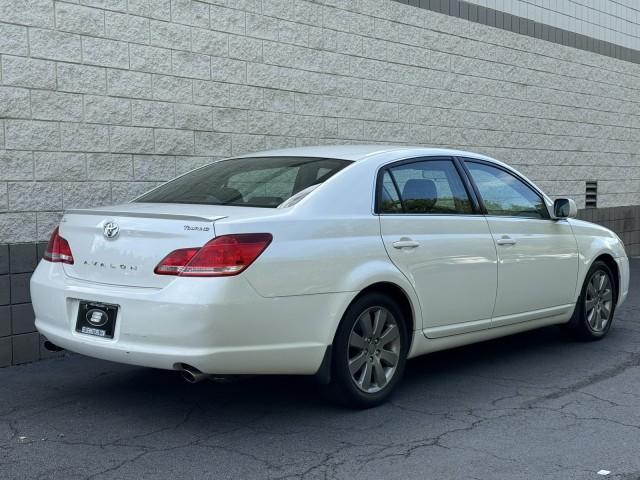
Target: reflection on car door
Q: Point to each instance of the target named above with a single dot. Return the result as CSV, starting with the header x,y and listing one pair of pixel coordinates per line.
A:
x,y
435,236
537,256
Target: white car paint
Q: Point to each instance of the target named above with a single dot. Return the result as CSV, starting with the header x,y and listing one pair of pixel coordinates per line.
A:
x,y
279,316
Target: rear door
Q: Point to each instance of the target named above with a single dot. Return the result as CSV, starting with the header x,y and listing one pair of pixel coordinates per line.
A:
x,y
435,235
537,256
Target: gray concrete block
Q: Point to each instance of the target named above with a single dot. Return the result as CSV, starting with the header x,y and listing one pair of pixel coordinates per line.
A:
x,y
146,113
32,135
155,167
174,89
20,288
79,19
193,65
105,52
4,259
16,165
131,140
6,351
56,106
190,12
14,102
150,59
22,257
86,194
109,110
28,72
5,289
5,320
81,79
60,166
172,35
84,137
26,348
54,45
107,166
173,142
38,13
22,319
129,28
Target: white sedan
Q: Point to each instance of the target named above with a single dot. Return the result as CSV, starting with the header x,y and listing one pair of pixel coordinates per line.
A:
x,y
340,262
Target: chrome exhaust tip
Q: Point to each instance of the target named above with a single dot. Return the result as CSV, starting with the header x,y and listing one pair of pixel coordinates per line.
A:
x,y
192,374
51,347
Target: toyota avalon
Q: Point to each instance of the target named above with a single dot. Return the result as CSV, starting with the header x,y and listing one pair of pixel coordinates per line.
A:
x,y
340,262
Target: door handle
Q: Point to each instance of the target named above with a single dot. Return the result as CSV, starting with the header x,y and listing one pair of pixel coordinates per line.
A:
x,y
506,240
406,243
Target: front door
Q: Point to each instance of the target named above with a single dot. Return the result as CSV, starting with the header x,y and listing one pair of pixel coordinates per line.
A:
x,y
537,256
435,236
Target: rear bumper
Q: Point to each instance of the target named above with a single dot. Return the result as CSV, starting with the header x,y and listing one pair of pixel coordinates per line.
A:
x,y
218,325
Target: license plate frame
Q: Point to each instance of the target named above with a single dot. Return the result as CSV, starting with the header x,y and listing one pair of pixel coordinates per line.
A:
x,y
97,319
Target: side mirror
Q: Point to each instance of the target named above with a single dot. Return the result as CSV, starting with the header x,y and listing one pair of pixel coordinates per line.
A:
x,y
564,208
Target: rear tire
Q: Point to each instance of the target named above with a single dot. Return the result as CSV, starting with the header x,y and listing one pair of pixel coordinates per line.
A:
x,y
369,352
593,315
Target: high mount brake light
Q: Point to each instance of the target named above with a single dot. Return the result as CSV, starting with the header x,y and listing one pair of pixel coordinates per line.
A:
x,y
58,249
223,256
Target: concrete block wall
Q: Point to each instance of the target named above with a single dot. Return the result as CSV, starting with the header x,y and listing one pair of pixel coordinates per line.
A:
x,y
19,341
102,99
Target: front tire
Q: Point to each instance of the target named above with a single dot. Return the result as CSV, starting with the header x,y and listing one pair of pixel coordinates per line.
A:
x,y
369,352
594,311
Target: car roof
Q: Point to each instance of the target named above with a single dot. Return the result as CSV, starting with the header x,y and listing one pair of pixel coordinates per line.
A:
x,y
360,152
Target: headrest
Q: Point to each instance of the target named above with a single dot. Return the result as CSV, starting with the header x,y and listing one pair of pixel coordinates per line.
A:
x,y
419,194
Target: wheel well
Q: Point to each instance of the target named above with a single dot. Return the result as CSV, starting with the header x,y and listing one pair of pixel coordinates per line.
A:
x,y
611,263
400,297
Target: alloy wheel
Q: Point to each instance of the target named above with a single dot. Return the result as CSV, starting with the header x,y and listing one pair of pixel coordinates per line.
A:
x,y
598,301
374,349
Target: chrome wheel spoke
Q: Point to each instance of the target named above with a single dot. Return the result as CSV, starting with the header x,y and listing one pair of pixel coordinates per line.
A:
x,y
356,363
607,295
379,320
602,280
380,376
605,311
365,325
589,304
365,377
389,357
356,341
392,333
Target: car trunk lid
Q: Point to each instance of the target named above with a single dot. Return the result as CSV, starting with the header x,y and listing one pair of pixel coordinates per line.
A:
x,y
121,245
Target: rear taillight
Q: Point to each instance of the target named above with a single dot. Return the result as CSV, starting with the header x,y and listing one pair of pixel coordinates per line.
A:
x,y
58,249
223,256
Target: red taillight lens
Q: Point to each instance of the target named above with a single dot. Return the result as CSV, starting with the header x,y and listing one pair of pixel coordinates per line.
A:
x,y
223,256
58,249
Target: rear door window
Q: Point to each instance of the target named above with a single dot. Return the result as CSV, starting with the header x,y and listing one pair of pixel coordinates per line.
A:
x,y
424,187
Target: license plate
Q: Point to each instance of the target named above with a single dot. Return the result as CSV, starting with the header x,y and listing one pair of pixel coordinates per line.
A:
x,y
97,319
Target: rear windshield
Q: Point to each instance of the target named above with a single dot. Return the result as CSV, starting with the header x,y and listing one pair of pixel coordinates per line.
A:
x,y
247,182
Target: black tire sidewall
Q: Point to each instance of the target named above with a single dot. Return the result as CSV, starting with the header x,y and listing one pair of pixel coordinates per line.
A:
x,y
346,390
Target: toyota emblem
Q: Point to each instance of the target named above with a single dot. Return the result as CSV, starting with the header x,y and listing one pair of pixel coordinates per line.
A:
x,y
111,230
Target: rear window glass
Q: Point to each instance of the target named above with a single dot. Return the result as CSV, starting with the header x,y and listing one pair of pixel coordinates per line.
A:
x,y
247,182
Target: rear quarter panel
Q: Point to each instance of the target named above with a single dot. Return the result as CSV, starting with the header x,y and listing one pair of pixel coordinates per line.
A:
x,y
328,243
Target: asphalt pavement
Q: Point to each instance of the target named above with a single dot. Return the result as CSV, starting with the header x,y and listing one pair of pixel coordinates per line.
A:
x,y
531,406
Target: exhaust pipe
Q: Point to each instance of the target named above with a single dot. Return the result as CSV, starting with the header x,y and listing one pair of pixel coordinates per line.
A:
x,y
51,347
192,374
